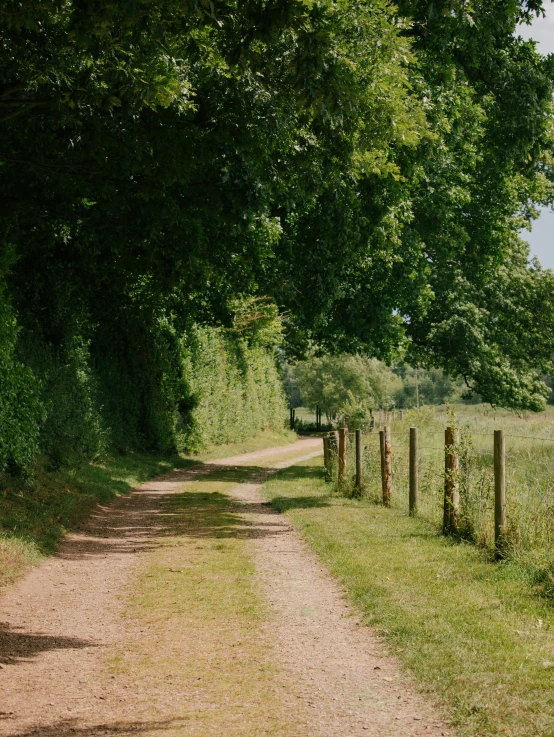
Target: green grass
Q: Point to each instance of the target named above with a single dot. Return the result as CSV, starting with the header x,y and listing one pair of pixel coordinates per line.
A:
x,y
529,478
34,519
477,637
200,580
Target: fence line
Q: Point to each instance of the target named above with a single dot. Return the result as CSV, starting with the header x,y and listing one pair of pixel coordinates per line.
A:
x,y
486,485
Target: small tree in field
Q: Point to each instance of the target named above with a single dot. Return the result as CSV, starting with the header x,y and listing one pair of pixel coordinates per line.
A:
x,y
337,382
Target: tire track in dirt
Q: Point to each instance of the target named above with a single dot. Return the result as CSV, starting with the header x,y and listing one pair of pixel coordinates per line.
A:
x,y
60,624
341,671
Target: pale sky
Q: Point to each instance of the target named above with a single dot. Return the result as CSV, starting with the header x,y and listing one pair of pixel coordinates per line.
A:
x,y
541,237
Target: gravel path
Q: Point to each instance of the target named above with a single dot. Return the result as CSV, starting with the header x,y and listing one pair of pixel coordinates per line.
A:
x,y
59,624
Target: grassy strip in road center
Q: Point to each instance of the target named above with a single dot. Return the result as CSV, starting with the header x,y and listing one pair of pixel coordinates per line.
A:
x,y
201,664
478,639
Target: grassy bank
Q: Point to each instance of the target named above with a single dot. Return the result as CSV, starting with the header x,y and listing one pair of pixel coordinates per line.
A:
x,y
474,634
33,519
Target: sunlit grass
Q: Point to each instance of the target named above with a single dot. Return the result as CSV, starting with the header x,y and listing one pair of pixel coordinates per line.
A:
x,y
529,478
478,638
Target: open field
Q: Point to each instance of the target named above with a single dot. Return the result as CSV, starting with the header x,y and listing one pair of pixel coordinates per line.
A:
x,y
475,635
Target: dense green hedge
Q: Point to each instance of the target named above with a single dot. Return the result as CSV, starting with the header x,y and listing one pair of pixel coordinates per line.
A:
x,y
142,387
235,390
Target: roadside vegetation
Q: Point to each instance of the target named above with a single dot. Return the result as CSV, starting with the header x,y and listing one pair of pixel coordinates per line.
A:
x,y
529,538
477,636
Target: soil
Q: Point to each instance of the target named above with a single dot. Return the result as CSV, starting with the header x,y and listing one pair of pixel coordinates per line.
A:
x,y
61,624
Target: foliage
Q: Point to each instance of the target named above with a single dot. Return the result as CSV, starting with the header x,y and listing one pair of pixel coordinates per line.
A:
x,y
355,415
333,382
234,390
362,170
21,410
433,387
351,386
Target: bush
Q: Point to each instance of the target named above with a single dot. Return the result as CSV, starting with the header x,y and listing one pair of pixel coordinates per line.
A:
x,y
21,410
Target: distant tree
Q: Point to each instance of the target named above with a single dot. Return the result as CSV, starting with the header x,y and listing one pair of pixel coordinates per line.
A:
x,y
332,382
433,386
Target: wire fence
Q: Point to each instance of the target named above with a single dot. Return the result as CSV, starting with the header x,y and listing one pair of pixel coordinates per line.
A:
x,y
527,468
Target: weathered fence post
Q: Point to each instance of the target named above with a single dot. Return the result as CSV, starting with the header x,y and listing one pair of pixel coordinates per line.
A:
x,y
342,455
414,460
386,465
358,459
451,517
499,492
382,454
291,419
332,450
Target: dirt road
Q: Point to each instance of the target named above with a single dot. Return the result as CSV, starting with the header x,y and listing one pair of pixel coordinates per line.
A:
x,y
192,608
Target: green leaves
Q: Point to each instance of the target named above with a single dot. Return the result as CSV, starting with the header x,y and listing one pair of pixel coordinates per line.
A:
x,y
360,169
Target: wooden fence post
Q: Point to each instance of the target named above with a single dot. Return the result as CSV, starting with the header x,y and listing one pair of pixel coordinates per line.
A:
x,y
414,460
382,454
358,459
451,486
499,491
342,455
386,465
291,421
326,456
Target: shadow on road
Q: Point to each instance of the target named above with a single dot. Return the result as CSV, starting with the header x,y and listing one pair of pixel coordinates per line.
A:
x,y
70,727
163,508
17,647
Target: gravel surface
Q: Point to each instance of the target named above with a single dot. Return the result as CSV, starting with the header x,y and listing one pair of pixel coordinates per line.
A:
x,y
60,624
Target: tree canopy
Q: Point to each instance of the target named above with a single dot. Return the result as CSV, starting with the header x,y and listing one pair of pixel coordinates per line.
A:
x,y
364,167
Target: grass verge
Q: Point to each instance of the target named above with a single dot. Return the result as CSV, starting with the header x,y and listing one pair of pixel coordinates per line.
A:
x,y
474,634
34,519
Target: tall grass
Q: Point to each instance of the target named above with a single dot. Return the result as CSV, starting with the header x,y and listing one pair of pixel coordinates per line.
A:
x,y
529,478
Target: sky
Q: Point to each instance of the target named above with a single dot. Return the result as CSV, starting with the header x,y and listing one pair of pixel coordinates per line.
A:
x,y
541,238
